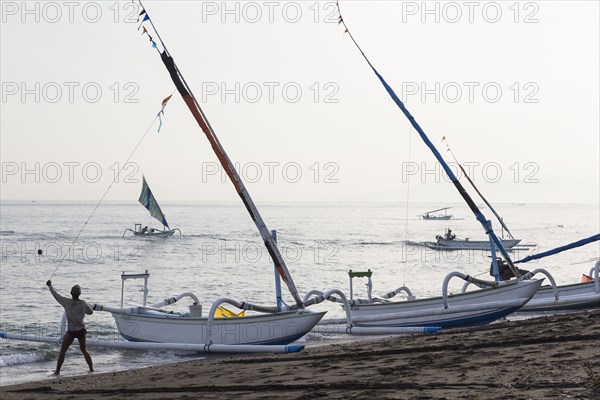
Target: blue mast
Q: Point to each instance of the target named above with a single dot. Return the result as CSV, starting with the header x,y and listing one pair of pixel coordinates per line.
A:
x,y
487,225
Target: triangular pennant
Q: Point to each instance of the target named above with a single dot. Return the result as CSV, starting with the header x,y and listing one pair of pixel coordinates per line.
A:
x,y
145,31
146,18
141,13
165,101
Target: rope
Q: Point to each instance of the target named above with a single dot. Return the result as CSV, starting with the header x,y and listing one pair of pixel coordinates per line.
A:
x,y
407,204
103,196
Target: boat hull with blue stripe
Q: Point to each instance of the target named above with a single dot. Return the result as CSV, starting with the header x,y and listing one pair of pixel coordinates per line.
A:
x,y
472,308
263,329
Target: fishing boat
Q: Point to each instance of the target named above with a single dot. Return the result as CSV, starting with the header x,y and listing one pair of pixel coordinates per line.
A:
x,y
576,296
449,241
268,325
471,308
156,323
429,216
149,202
497,300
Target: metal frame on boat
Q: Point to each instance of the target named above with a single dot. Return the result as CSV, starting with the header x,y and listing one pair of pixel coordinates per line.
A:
x,y
576,296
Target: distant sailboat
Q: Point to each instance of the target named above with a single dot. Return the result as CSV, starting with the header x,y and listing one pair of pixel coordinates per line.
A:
x,y
149,202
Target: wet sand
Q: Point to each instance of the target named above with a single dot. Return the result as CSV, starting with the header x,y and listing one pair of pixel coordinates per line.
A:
x,y
543,358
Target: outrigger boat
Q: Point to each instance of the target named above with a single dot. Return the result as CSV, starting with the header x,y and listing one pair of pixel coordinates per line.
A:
x,y
576,296
154,323
269,329
273,325
476,307
449,241
149,202
499,299
429,216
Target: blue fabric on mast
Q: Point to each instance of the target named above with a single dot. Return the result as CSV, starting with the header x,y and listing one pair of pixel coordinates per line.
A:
x,y
560,249
487,225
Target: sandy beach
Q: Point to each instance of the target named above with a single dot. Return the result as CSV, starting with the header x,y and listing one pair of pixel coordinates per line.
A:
x,y
543,358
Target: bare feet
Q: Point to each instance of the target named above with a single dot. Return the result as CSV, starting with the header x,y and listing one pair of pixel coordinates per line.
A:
x,y
56,373
91,371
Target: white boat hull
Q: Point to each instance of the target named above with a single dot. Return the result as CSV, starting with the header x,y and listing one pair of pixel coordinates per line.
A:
x,y
263,329
477,307
438,218
570,297
155,234
454,244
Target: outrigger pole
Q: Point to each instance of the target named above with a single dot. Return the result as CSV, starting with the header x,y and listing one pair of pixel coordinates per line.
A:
x,y
487,225
190,100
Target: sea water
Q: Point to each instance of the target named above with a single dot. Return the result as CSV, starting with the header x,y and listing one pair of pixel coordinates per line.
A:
x,y
220,253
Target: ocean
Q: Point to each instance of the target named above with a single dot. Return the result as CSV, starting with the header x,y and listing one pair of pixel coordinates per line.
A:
x,y
220,253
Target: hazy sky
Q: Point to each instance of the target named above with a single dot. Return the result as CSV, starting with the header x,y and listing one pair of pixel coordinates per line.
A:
x,y
513,86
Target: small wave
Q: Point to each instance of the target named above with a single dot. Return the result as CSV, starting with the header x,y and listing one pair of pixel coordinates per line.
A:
x,y
377,243
21,358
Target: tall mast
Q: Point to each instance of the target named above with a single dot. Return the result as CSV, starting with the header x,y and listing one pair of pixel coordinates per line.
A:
x,y
487,225
190,100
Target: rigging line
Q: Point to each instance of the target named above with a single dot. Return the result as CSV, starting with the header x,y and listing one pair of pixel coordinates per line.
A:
x,y
477,190
485,223
103,196
407,204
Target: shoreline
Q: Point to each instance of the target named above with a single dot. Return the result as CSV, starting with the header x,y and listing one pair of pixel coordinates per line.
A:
x,y
544,357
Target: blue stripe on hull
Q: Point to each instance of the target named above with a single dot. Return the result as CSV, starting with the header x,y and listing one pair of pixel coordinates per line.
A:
x,y
473,320
281,341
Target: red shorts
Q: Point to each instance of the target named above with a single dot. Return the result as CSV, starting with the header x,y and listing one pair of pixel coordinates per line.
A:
x,y
78,334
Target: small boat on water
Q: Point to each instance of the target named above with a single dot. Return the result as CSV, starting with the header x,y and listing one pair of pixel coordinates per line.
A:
x,y
149,202
449,241
429,215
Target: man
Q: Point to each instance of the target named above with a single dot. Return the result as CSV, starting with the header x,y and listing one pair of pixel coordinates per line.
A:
x,y
76,310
